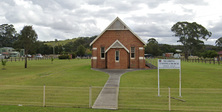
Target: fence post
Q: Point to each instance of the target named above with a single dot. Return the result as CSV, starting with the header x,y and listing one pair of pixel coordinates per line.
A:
x,y
90,96
169,99
44,95
117,97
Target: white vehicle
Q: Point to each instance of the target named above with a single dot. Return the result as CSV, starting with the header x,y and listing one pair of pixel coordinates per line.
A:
x,y
2,57
176,55
39,56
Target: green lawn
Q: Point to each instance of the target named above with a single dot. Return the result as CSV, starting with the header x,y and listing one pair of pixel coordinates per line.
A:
x,y
201,88
74,73
60,109
194,75
67,84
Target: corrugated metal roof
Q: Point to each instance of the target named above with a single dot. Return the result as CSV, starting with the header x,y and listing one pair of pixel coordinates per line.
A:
x,y
220,52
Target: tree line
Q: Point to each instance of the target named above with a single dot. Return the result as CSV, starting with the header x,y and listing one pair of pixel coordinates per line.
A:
x,y
9,37
191,36
27,39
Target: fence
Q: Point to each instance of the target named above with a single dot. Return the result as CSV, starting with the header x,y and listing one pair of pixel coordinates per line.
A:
x,y
44,96
153,62
210,61
196,99
29,59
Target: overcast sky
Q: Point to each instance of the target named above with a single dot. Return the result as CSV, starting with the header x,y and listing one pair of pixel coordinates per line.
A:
x,y
67,19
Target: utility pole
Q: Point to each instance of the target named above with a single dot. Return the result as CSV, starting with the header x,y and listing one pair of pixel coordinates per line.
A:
x,y
54,49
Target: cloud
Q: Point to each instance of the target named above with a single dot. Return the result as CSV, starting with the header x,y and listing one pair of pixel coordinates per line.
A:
x,y
216,30
190,2
72,18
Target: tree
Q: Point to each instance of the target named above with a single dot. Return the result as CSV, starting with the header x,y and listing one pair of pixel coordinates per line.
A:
x,y
88,52
77,43
209,54
219,42
152,40
27,38
189,35
73,55
81,50
165,48
4,64
8,35
152,47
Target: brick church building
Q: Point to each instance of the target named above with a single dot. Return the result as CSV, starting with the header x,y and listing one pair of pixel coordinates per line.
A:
x,y
117,47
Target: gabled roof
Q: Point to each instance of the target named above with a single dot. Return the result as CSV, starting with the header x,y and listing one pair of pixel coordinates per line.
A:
x,y
117,24
117,44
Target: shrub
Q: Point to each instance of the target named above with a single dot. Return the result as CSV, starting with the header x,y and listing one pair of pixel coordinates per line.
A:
x,y
4,64
73,55
52,59
63,57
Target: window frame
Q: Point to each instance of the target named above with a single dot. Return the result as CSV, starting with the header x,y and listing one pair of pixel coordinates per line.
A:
x,y
116,55
132,53
102,52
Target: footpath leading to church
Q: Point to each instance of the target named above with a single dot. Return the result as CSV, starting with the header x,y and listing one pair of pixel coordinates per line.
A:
x,y
108,97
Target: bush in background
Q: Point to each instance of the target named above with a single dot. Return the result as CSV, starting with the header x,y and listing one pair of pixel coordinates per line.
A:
x,y
64,56
73,55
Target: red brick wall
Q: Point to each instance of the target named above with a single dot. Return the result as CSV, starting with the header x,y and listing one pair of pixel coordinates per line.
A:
x,y
123,61
127,39
94,61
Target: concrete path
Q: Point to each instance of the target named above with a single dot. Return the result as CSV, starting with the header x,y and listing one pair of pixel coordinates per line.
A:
x,y
108,97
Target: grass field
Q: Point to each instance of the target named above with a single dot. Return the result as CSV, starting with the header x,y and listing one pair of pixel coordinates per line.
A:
x,y
66,83
201,86
74,73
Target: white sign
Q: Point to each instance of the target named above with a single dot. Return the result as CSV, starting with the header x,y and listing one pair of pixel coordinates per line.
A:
x,y
168,64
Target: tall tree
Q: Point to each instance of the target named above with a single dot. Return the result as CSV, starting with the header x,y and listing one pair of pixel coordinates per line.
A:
x,y
152,40
81,50
219,42
77,43
165,48
8,35
27,38
152,47
189,35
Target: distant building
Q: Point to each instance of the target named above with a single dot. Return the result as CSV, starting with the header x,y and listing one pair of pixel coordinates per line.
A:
x,y
219,55
118,47
9,52
168,54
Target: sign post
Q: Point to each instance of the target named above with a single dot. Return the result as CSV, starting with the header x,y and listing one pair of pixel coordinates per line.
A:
x,y
169,64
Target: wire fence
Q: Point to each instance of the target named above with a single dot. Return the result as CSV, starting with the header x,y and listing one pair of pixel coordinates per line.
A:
x,y
193,99
45,96
200,60
12,59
